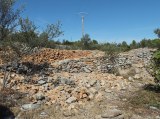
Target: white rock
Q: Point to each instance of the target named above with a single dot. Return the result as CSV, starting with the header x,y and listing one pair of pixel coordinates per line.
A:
x,y
71,100
43,114
158,117
137,76
30,106
41,82
130,79
13,75
40,96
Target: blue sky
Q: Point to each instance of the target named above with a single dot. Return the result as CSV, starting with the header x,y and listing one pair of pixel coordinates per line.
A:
x,y
107,20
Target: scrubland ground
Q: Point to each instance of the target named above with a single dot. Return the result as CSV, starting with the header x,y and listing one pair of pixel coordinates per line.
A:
x,y
73,87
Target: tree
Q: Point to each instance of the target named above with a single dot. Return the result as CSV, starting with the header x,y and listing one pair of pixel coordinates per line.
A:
x,y
143,43
43,39
27,25
8,18
53,30
124,43
86,40
28,31
14,50
94,42
124,46
156,43
157,32
149,43
47,37
133,45
67,42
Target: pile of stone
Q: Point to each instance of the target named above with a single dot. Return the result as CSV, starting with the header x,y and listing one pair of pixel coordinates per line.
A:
x,y
85,65
50,55
73,81
88,65
70,81
66,89
73,66
103,64
141,55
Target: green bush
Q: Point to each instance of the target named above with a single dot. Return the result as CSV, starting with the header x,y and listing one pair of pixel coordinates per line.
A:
x,y
156,67
111,49
111,53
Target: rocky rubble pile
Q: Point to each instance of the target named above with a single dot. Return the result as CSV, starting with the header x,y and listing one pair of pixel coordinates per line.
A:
x,y
65,80
140,60
80,61
71,79
66,89
102,64
141,55
50,55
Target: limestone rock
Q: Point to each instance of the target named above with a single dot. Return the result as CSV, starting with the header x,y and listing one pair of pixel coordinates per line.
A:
x,y
40,96
43,114
111,113
30,106
41,82
71,100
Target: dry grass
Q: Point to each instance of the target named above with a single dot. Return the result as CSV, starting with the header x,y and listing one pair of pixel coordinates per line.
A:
x,y
144,98
139,103
51,112
126,73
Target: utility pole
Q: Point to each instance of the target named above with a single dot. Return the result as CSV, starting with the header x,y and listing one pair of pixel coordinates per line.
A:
x,y
82,26
82,16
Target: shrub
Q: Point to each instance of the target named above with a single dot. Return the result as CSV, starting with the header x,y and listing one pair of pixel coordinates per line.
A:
x,y
11,53
112,53
156,67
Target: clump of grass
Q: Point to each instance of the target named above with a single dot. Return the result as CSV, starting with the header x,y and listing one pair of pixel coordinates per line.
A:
x,y
126,73
143,99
